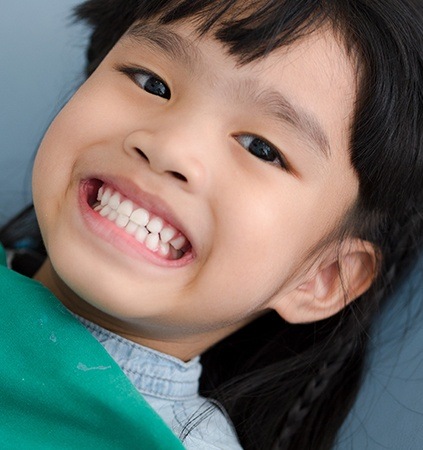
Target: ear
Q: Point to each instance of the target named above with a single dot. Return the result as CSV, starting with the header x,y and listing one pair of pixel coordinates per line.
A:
x,y
330,285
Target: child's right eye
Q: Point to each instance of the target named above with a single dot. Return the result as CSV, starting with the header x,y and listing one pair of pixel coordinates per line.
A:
x,y
148,81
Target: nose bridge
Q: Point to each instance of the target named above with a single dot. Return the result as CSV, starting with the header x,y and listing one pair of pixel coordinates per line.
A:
x,y
176,143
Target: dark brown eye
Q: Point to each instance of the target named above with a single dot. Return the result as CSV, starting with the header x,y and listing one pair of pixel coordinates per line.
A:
x,y
152,84
261,149
146,80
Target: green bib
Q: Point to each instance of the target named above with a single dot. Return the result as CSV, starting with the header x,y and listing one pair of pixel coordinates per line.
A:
x,y
59,388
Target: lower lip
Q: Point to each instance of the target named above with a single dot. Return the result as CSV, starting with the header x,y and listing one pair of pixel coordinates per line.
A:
x,y
119,239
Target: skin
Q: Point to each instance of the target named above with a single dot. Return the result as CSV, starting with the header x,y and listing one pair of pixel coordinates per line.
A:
x,y
251,223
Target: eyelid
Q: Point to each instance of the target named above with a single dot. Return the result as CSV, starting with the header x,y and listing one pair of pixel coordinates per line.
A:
x,y
132,70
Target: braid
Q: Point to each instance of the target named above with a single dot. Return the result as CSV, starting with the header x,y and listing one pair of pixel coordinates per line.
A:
x,y
312,391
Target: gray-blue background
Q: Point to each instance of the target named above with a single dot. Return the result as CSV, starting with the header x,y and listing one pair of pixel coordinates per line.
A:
x,y
41,60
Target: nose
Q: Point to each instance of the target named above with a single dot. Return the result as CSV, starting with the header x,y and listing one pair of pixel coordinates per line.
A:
x,y
173,152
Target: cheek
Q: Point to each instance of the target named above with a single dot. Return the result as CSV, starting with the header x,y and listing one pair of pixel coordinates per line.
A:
x,y
264,238
259,242
52,169
85,121
91,115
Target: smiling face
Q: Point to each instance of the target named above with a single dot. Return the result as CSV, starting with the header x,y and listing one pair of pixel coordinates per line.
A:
x,y
180,193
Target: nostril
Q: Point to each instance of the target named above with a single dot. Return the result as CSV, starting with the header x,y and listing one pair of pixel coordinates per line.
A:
x,y
173,173
142,154
178,176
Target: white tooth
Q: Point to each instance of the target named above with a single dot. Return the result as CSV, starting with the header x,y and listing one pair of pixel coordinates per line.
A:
x,y
100,193
126,208
155,225
141,234
178,243
122,221
167,234
113,215
164,249
131,228
105,211
106,196
140,217
115,200
98,208
152,242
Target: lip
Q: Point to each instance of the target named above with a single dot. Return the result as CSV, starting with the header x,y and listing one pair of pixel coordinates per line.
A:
x,y
112,234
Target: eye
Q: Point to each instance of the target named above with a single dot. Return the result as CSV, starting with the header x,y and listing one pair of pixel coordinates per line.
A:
x,y
148,81
262,149
152,84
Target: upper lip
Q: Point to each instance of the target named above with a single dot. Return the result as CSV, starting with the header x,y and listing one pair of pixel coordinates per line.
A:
x,y
151,202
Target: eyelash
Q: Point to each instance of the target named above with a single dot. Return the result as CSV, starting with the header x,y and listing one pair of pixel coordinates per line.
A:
x,y
268,152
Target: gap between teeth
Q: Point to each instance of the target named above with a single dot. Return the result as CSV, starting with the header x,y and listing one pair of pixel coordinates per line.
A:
x,y
138,222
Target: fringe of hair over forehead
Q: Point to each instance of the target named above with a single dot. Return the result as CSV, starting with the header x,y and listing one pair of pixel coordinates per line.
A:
x,y
250,29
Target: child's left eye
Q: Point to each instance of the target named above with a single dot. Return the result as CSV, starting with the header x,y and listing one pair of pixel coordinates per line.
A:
x,y
148,81
262,149
153,85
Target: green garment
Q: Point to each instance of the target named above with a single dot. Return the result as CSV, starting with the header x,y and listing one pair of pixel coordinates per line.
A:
x,y
59,388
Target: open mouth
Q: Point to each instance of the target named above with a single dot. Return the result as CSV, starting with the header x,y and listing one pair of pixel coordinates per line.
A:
x,y
145,227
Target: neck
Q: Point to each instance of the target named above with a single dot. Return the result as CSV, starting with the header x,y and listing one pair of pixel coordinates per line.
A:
x,y
183,347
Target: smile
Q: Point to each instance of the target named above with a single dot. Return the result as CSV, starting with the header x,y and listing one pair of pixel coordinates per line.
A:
x,y
146,228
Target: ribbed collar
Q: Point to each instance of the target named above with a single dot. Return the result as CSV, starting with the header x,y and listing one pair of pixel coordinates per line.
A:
x,y
152,373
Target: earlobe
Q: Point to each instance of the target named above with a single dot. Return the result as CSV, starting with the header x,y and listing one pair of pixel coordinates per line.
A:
x,y
332,285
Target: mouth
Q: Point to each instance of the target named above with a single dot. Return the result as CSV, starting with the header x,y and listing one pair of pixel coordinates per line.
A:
x,y
146,228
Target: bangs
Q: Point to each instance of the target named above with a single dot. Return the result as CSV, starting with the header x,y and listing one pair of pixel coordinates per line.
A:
x,y
249,30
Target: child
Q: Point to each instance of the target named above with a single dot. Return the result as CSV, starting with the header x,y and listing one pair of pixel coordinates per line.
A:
x,y
241,181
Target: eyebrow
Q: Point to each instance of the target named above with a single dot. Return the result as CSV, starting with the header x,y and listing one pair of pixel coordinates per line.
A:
x,y
172,44
272,102
275,104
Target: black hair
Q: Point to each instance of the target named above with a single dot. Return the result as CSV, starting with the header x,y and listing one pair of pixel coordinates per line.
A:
x,y
291,386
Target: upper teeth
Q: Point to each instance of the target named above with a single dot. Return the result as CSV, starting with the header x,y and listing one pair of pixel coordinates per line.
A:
x,y
151,230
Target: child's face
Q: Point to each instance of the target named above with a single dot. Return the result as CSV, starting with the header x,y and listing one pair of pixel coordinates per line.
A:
x,y
197,162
